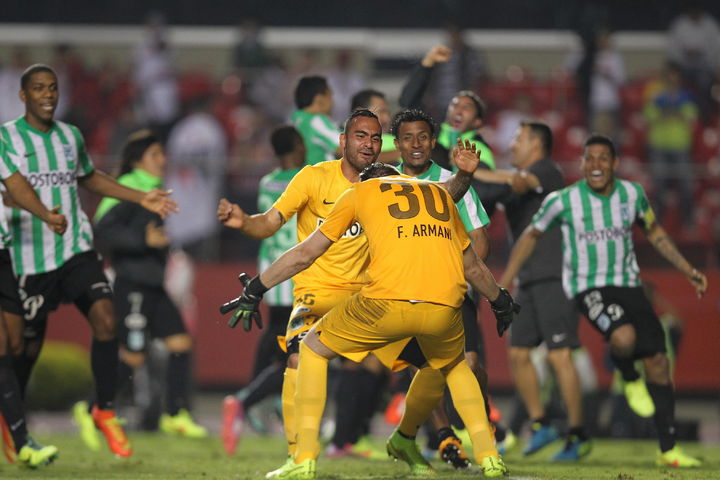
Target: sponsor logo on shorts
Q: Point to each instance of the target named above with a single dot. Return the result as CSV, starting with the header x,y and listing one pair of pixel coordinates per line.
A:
x,y
558,337
31,306
135,321
603,322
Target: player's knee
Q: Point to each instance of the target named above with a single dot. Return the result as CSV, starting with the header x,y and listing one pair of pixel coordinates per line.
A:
x,y
292,361
134,359
473,361
15,346
180,343
560,357
519,356
622,341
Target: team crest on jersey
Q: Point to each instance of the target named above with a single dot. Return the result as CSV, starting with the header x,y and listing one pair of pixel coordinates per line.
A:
x,y
625,212
69,156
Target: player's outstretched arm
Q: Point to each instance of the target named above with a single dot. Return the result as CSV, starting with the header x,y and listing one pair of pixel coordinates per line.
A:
x,y
466,159
295,260
157,201
25,197
666,247
520,182
260,225
520,253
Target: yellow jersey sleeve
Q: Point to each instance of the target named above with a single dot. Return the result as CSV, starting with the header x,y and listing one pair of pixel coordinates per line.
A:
x,y
341,217
296,194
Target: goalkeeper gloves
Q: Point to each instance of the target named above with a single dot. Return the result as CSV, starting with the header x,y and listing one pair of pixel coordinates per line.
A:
x,y
504,308
246,305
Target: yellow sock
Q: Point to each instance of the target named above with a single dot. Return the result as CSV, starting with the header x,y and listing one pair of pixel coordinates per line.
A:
x,y
288,408
424,393
469,403
310,402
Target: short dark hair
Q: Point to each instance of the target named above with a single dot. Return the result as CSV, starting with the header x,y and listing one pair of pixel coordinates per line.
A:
x,y
480,107
362,98
360,112
134,149
542,131
307,88
32,70
411,115
378,169
600,139
283,139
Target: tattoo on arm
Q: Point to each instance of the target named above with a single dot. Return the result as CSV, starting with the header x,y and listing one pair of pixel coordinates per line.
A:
x,y
458,185
282,219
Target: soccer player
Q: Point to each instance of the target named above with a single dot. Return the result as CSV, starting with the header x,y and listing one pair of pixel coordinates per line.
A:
x,y
414,133
313,99
403,218
465,113
311,195
547,315
17,443
137,244
376,102
51,268
267,376
600,272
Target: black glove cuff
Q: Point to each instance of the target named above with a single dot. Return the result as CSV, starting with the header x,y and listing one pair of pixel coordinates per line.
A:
x,y
255,287
503,301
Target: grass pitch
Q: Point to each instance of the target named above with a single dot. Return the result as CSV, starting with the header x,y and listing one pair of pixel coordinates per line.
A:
x,y
159,457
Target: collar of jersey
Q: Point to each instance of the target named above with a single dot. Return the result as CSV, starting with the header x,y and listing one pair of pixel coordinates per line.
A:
x,y
586,187
423,175
24,124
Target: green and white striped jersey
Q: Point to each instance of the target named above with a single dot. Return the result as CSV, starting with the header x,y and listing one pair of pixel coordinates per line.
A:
x,y
271,187
472,212
598,248
52,162
320,134
8,167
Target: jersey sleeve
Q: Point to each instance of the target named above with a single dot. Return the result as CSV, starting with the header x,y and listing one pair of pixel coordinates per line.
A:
x,y
341,216
472,213
549,213
8,161
326,134
295,195
85,166
644,214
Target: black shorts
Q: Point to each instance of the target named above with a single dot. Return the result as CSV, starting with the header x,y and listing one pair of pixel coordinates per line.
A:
x,y
80,280
9,297
474,341
144,313
608,308
546,316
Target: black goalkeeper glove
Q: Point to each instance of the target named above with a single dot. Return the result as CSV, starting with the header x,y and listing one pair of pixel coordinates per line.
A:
x,y
246,305
504,308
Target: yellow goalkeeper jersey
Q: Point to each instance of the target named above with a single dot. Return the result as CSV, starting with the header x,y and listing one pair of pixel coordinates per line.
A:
x,y
312,194
415,235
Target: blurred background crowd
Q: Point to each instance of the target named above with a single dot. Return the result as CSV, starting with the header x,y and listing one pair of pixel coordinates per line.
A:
x,y
214,93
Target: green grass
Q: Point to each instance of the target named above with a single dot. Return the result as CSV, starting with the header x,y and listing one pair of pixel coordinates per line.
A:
x,y
160,457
